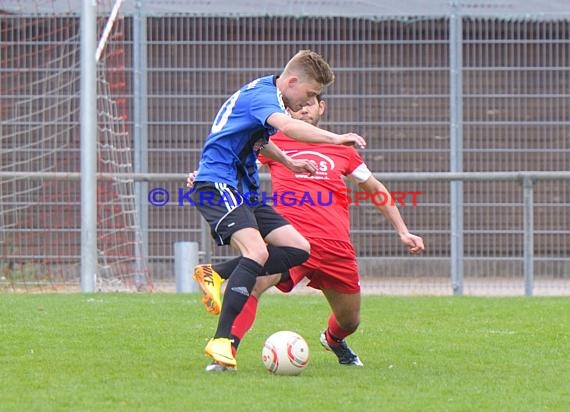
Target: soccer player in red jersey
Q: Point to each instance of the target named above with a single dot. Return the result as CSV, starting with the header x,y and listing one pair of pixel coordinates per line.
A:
x,y
317,207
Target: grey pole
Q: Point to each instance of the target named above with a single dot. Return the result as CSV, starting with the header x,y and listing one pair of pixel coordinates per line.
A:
x,y
88,116
528,225
140,117
185,258
456,147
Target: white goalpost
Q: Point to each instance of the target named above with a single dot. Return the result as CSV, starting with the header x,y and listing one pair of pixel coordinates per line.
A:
x,y
108,28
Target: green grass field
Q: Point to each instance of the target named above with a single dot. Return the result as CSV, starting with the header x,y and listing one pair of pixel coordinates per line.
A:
x,y
144,352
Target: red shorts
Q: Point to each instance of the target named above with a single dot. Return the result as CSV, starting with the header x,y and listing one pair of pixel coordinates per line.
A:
x,y
332,265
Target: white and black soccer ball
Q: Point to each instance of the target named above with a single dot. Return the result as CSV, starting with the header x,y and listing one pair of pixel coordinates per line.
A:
x,y
285,353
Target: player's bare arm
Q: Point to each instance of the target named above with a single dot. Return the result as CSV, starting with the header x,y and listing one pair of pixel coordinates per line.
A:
x,y
390,211
305,132
295,165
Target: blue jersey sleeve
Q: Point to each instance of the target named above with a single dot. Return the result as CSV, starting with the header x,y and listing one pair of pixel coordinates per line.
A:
x,y
264,103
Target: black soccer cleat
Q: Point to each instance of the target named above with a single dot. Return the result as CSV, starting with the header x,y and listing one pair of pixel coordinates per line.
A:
x,y
344,354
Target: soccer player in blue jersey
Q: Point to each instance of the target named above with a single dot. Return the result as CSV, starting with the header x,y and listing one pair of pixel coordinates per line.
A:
x,y
227,182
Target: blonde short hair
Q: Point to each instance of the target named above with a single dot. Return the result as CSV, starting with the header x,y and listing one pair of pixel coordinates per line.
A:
x,y
311,65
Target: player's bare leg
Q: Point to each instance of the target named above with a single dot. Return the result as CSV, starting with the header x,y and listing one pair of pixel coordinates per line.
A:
x,y
346,308
288,236
343,322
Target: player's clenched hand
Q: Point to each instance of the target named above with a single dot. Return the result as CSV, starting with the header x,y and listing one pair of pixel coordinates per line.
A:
x,y
352,139
190,179
414,243
302,166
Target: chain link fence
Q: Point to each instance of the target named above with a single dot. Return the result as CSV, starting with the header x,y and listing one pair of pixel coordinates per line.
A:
x,y
461,88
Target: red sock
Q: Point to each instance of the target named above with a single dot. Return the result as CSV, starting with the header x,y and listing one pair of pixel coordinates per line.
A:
x,y
244,321
334,332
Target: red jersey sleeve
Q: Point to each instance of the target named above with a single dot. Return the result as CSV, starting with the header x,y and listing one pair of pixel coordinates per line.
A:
x,y
356,168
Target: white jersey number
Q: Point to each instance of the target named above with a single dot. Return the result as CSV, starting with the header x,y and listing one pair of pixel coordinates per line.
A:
x,y
224,113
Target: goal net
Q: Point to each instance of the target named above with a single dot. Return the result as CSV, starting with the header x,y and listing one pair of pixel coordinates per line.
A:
x,y
40,212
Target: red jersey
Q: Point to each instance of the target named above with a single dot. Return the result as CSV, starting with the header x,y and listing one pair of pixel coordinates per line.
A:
x,y
315,205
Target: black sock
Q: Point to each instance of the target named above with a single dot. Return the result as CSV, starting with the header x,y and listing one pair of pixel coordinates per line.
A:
x,y
226,268
240,284
281,258
285,276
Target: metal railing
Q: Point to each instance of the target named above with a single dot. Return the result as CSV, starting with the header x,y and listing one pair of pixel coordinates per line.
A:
x,y
526,179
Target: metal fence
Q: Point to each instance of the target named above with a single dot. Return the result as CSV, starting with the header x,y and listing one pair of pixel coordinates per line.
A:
x,y
462,92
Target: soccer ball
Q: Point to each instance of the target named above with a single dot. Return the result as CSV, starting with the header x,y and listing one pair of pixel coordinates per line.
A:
x,y
285,353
